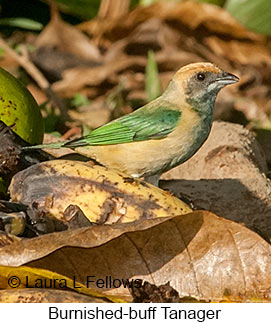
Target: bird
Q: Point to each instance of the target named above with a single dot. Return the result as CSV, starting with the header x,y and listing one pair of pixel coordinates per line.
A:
x,y
163,133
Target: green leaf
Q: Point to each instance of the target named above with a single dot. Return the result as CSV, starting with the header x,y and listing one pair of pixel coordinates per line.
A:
x,y
146,2
215,2
153,88
80,100
253,14
24,23
85,9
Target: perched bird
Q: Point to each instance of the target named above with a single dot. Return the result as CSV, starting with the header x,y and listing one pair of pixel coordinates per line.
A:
x,y
163,133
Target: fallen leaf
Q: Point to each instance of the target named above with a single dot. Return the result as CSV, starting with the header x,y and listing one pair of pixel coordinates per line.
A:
x,y
200,254
76,78
240,52
7,239
213,17
104,196
24,276
43,295
67,38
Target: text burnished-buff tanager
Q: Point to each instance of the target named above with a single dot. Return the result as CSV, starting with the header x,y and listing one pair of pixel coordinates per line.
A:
x,y
163,133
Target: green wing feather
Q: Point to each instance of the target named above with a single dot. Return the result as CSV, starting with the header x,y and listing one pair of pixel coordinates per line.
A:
x,y
153,121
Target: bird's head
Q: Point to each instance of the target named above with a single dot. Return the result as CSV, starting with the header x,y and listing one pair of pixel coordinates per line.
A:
x,y
199,84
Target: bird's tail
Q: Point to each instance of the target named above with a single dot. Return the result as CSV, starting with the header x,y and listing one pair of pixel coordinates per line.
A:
x,y
53,145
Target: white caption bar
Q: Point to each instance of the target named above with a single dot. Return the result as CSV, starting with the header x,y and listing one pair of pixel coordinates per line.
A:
x,y
249,312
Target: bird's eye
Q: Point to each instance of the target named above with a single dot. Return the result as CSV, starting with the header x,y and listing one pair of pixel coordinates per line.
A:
x,y
200,77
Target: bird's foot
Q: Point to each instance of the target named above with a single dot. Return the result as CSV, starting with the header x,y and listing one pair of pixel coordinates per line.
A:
x,y
153,179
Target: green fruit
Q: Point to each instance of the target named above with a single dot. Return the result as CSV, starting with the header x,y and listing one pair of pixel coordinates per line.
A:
x,y
19,109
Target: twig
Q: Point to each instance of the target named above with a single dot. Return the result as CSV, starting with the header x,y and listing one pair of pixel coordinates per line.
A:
x,y
24,61
113,9
71,132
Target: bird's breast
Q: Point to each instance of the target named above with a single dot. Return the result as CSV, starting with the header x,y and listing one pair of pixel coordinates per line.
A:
x,y
188,137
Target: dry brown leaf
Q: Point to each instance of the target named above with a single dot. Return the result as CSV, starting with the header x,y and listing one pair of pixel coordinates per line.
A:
x,y
240,52
67,38
91,116
178,36
153,34
38,295
200,254
212,17
7,239
76,78
27,277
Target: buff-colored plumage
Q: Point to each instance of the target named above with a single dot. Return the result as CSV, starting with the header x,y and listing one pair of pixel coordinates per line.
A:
x,y
163,133
144,158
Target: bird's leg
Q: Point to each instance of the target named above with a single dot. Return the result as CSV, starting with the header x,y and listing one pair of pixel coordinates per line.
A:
x,y
153,179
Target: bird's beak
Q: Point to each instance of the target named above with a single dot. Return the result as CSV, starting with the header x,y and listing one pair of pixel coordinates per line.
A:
x,y
226,79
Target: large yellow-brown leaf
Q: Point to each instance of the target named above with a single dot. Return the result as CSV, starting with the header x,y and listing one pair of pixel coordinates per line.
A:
x,y
25,277
38,295
200,254
103,195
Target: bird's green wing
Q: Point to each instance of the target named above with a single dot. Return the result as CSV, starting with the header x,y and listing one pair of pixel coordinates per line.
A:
x,y
149,122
